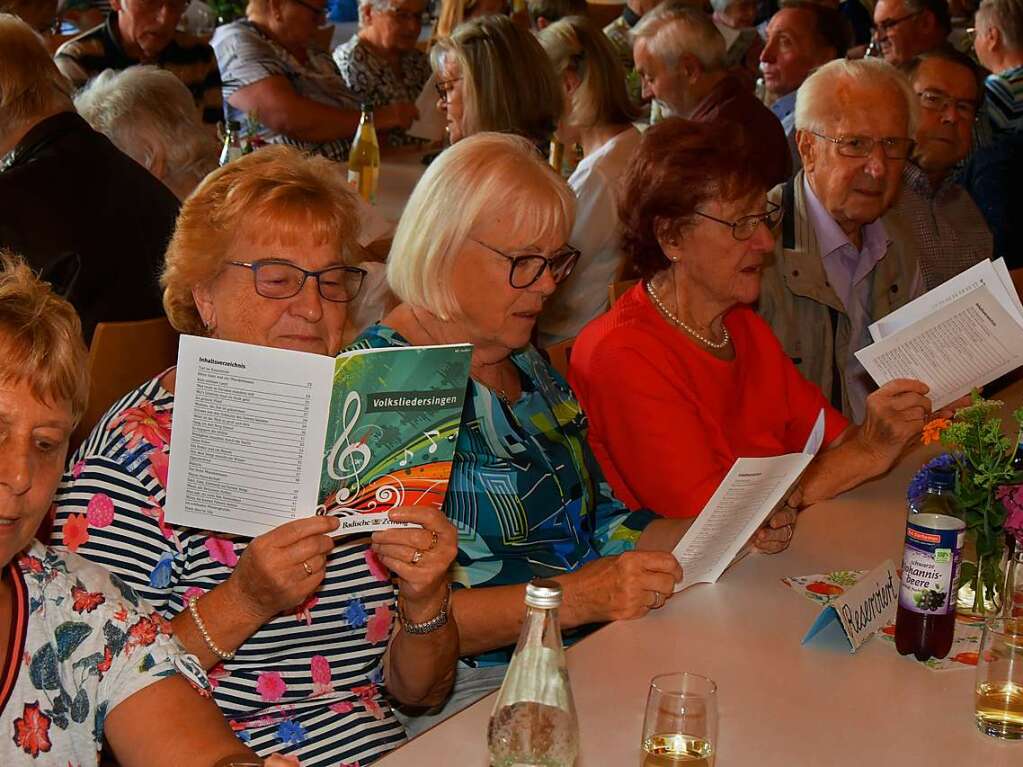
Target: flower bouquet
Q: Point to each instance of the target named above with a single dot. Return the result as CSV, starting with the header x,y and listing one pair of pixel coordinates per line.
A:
x,y
985,488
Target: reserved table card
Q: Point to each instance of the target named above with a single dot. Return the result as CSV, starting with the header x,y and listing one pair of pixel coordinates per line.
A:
x,y
853,616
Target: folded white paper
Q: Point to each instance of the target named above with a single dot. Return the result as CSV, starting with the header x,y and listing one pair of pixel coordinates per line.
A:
x,y
431,122
954,347
747,495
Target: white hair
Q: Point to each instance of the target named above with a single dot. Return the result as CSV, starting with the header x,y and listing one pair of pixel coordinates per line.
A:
x,y
462,188
672,31
149,114
815,97
377,5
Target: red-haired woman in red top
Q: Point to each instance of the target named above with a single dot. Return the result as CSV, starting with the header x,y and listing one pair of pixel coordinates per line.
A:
x,y
682,377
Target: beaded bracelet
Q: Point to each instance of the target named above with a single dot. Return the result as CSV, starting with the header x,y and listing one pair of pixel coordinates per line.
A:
x,y
193,608
427,627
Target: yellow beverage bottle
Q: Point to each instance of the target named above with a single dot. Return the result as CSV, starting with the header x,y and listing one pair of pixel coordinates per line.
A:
x,y
364,159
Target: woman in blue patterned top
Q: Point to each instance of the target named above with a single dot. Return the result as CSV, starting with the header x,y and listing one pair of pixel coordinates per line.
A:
x,y
480,246
298,630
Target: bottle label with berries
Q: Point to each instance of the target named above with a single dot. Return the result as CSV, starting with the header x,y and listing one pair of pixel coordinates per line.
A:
x,y
930,563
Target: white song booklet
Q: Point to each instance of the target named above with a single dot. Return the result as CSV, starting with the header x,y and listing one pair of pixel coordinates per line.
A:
x,y
958,337
752,489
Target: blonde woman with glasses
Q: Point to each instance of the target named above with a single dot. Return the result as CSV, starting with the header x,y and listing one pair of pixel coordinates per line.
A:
x,y
492,75
598,117
526,493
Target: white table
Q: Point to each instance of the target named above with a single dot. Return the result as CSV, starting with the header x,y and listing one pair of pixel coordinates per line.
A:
x,y
400,170
781,704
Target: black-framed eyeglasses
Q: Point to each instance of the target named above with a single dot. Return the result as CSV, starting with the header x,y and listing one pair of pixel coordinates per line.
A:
x,y
936,101
527,268
886,26
282,279
894,147
746,227
444,87
320,12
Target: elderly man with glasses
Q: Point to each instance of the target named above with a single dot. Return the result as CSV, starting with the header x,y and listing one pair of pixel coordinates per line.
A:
x,y
903,29
949,230
145,32
842,261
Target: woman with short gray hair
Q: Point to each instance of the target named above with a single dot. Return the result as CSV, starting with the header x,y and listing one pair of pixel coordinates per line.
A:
x,y
380,63
149,114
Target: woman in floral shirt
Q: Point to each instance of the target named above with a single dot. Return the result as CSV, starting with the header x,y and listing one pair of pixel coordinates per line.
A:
x,y
82,659
301,633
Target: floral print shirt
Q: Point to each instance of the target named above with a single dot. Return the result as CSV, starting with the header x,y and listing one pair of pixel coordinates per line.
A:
x,y
373,81
526,494
308,683
81,642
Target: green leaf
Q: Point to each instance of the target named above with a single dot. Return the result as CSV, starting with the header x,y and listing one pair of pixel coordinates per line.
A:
x,y
967,570
69,636
42,670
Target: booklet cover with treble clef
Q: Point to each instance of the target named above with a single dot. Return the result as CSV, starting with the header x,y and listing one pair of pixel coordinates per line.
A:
x,y
391,435
265,436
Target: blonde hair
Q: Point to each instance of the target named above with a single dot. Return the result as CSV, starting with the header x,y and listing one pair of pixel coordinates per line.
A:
x,y
601,98
149,114
508,82
41,338
815,99
465,185
276,194
31,86
452,13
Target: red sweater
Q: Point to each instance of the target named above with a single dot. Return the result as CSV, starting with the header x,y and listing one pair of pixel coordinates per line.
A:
x,y
668,419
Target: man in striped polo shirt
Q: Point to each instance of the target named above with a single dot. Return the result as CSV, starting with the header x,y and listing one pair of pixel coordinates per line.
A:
x,y
999,47
143,32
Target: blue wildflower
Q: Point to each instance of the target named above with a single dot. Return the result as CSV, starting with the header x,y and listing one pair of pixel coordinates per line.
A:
x,y
355,614
291,733
160,578
918,484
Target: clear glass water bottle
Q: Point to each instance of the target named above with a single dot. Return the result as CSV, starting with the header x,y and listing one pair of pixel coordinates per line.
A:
x,y
232,148
939,495
534,722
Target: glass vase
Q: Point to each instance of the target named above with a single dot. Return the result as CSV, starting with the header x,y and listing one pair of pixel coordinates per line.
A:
x,y
1012,594
981,597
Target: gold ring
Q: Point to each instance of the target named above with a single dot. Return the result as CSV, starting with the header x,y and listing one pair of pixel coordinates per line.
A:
x,y
433,540
416,556
305,566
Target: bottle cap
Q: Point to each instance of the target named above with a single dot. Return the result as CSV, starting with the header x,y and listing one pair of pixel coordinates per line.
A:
x,y
367,107
543,593
234,125
942,479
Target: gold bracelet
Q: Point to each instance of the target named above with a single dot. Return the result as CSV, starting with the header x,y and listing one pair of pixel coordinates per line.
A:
x,y
193,608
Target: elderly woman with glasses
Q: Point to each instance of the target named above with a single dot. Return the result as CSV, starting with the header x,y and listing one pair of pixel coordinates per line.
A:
x,y
284,88
526,493
297,629
683,358
380,63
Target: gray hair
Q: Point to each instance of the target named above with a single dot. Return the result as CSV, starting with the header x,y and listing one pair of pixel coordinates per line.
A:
x,y
814,99
376,5
149,114
31,86
478,175
673,30
1007,15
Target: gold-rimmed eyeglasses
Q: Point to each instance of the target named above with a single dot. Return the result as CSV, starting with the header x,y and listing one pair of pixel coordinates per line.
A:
x,y
746,227
894,147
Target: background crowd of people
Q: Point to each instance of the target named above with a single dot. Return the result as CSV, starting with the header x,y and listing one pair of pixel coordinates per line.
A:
x,y
744,188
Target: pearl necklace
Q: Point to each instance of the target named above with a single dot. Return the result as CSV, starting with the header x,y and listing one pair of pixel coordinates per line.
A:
x,y
702,339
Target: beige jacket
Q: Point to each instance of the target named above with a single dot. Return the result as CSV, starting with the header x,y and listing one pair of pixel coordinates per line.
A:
x,y
803,309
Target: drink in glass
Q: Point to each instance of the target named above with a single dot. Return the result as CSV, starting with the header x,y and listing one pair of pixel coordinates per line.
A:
x,y
999,691
681,722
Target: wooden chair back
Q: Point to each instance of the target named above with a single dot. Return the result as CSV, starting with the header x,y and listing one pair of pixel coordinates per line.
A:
x,y
617,289
122,356
559,355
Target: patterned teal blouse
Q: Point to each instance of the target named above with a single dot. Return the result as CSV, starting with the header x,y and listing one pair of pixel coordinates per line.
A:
x,y
526,493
